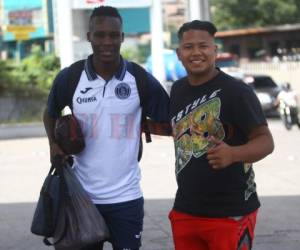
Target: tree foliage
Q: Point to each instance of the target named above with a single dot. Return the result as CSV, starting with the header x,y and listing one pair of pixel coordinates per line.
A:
x,y
33,75
137,53
233,14
6,79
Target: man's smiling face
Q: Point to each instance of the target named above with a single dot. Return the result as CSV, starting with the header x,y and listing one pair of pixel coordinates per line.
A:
x,y
106,36
197,52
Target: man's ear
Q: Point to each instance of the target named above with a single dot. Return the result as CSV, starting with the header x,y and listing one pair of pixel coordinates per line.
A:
x,y
88,36
122,36
216,48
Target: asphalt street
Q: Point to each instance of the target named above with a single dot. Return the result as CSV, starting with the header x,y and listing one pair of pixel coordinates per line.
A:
x,y
24,164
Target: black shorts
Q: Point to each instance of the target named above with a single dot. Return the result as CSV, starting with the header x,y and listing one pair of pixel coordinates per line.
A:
x,y
125,222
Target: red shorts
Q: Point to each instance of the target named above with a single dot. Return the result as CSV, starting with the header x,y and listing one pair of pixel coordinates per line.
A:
x,y
202,233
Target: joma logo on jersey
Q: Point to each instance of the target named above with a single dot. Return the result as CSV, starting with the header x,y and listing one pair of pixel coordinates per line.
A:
x,y
86,90
81,100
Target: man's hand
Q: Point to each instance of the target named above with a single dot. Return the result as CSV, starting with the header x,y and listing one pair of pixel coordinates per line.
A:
x,y
221,155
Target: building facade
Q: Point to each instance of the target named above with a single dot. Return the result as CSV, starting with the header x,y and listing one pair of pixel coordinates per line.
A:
x,y
24,23
269,43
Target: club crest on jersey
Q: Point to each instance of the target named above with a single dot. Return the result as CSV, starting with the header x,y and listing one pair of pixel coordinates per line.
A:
x,y
122,90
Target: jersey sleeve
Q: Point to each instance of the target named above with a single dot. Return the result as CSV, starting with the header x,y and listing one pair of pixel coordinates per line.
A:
x,y
248,112
57,98
157,107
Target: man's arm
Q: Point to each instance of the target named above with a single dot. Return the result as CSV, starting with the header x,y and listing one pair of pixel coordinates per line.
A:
x,y
49,124
56,102
259,145
158,128
157,108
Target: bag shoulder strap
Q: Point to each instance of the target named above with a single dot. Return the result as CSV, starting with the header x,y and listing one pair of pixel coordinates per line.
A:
x,y
74,74
141,77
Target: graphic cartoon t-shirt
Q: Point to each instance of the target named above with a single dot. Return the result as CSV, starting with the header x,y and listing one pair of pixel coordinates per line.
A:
x,y
226,109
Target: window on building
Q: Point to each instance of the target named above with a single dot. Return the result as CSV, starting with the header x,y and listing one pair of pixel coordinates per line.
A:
x,y
274,48
235,49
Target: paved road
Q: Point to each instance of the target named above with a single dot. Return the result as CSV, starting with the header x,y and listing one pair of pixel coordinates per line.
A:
x,y
24,163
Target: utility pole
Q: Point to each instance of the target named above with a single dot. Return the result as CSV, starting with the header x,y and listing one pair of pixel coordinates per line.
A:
x,y
63,27
199,9
157,43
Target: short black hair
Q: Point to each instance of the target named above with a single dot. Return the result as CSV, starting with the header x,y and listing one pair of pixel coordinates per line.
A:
x,y
107,11
197,25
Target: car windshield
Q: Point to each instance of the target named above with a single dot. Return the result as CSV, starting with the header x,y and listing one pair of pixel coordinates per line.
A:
x,y
264,82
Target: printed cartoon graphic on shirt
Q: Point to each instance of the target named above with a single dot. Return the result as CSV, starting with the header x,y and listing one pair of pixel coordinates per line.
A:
x,y
251,186
193,130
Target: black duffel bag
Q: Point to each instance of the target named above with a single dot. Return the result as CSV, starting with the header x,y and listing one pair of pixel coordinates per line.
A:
x,y
45,215
65,212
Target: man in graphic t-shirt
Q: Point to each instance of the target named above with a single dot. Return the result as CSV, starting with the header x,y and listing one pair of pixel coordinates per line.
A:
x,y
219,130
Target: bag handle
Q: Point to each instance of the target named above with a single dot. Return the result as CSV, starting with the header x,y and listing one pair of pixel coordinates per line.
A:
x,y
57,168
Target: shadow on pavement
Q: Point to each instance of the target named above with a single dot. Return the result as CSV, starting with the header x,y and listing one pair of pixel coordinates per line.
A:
x,y
278,226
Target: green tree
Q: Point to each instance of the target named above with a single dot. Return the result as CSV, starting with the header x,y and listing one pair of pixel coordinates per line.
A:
x,y
137,53
5,79
37,71
32,76
233,14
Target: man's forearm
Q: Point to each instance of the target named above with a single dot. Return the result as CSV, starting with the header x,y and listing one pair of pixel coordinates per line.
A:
x,y
55,149
49,124
258,147
157,128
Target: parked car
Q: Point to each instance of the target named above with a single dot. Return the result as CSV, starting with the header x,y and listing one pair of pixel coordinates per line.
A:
x,y
229,64
267,91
